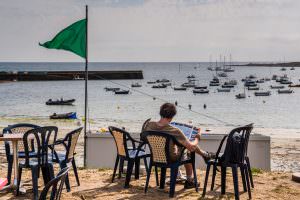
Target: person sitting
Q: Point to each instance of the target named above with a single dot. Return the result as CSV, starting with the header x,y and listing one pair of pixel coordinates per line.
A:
x,y
167,112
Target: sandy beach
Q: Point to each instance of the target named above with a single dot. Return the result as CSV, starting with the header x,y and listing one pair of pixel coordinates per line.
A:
x,y
96,184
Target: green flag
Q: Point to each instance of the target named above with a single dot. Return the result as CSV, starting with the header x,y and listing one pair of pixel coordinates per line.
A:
x,y
72,38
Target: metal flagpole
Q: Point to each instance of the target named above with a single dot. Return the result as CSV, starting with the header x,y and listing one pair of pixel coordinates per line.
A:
x,y
86,85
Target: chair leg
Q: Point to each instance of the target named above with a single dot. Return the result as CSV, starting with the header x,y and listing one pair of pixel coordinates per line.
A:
x,y
63,164
75,171
19,180
9,169
195,176
248,182
115,169
242,169
121,167
223,180
129,172
156,176
146,164
174,172
213,177
137,168
206,179
34,174
148,177
249,171
163,171
235,182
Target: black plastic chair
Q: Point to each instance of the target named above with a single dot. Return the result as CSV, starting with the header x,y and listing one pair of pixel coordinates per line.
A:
x,y
41,137
233,157
132,154
17,129
67,156
159,143
56,185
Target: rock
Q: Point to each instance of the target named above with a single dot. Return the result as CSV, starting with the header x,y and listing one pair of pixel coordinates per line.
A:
x,y
296,177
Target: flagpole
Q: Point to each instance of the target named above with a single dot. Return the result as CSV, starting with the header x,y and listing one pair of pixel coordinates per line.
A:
x,y
86,85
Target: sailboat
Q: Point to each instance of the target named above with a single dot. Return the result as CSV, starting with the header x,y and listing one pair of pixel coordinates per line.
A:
x,y
229,69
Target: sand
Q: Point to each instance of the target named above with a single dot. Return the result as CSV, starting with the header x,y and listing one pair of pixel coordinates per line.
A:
x,y
96,184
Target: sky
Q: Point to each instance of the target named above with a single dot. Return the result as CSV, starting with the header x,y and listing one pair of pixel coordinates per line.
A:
x,y
154,30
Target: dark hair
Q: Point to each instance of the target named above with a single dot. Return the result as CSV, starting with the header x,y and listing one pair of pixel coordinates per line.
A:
x,y
167,110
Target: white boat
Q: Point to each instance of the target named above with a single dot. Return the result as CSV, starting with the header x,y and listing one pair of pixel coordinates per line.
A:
x,y
201,91
136,85
241,96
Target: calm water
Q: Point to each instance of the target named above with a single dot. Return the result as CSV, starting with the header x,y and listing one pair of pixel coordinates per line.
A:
x,y
26,100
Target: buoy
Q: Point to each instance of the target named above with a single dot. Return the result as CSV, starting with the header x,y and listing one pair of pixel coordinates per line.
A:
x,y
204,106
190,106
176,103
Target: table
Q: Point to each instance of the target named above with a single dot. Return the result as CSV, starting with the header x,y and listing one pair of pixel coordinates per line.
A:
x,y
14,138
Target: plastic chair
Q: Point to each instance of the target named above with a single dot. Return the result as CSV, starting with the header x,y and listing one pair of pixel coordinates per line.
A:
x,y
66,157
233,157
17,129
131,154
41,137
56,185
159,143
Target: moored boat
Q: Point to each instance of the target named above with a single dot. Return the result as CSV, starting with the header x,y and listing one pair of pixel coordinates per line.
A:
x,y
223,89
200,87
266,93
71,115
180,88
60,102
277,86
227,86
136,85
201,91
190,84
253,88
296,85
285,91
241,96
122,92
111,89
214,84
159,86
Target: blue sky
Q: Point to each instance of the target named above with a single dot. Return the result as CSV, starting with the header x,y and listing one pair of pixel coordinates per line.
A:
x,y
155,30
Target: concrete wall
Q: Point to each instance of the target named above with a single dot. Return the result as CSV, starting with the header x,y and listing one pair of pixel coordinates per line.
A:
x,y
101,150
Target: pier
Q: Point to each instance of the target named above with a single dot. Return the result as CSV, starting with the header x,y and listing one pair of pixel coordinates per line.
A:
x,y
68,75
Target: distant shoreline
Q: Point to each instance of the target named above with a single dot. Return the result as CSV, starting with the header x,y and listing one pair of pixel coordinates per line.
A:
x,y
288,64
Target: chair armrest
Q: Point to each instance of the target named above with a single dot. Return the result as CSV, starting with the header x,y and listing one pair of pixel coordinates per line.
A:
x,y
220,147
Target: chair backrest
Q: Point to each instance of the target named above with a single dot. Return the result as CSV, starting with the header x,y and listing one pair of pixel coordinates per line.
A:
x,y
56,186
41,137
121,137
159,144
20,129
71,139
143,129
237,144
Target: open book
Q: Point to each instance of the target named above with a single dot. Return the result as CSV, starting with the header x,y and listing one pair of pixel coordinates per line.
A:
x,y
189,131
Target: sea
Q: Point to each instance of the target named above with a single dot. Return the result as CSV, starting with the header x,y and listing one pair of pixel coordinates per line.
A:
x,y
276,115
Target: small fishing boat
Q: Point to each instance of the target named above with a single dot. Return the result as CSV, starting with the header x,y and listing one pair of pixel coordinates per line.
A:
x,y
162,81
277,86
223,89
190,84
286,82
201,91
200,87
253,88
251,76
285,91
241,96
111,89
227,86
151,82
214,84
180,88
60,102
274,77
267,93
122,92
296,85
283,69
136,85
210,69
223,74
231,82
250,84
71,115
229,69
159,86
293,68
260,81
190,76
